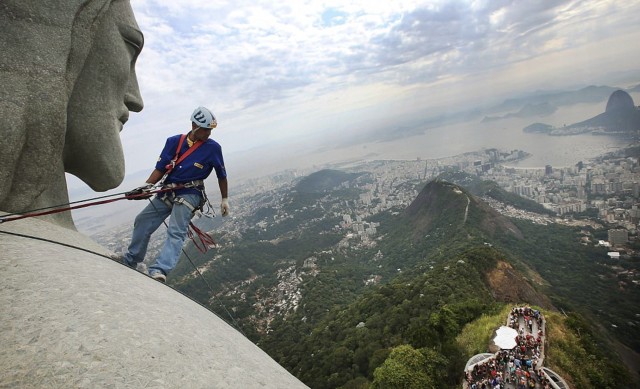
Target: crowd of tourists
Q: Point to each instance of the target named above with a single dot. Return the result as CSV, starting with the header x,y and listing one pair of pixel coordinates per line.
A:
x,y
517,367
528,316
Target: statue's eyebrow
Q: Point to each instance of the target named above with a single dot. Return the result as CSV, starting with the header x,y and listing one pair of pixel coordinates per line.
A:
x,y
132,36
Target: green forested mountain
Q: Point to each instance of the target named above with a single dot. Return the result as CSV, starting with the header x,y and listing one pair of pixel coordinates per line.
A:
x,y
411,304
425,310
448,209
433,313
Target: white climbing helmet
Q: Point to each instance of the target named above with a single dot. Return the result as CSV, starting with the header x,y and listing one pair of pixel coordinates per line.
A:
x,y
204,118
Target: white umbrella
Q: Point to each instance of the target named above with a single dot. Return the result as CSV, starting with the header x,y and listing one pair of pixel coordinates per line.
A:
x,y
505,338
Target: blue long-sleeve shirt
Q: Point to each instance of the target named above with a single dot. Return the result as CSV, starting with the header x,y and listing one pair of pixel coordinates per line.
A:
x,y
196,166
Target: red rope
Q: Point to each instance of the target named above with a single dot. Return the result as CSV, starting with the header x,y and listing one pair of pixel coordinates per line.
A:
x,y
205,239
58,210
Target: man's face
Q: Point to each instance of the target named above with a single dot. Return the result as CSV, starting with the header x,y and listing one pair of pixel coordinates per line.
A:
x,y
202,134
105,91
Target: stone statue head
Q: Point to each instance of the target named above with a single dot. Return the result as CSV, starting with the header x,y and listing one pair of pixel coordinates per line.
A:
x,y
67,84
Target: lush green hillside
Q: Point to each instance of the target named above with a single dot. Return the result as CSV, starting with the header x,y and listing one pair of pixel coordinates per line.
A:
x,y
427,326
443,221
442,286
580,277
402,302
572,338
424,310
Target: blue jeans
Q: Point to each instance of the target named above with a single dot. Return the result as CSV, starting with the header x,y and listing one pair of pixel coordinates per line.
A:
x,y
148,221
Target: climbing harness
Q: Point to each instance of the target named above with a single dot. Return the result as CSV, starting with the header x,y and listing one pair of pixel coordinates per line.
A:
x,y
179,158
206,241
169,197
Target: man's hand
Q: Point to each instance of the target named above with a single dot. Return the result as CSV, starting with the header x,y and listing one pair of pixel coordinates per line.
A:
x,y
140,193
224,207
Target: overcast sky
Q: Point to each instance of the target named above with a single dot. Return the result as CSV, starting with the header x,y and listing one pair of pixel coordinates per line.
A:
x,y
296,70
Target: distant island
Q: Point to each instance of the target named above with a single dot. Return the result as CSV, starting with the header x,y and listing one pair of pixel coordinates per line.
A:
x,y
621,117
529,110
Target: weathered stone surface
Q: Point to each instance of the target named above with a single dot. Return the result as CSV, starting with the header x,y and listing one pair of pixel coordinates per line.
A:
x,y
68,84
73,319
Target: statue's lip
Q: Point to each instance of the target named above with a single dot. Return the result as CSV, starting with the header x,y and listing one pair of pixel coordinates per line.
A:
x,y
124,117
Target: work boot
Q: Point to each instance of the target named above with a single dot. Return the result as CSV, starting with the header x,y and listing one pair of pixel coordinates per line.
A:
x,y
126,263
120,259
158,276
117,257
141,267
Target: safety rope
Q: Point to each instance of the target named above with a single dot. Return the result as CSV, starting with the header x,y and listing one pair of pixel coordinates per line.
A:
x,y
213,295
205,239
54,209
65,204
179,158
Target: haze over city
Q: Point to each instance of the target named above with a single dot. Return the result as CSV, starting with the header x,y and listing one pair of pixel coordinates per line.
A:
x,y
295,77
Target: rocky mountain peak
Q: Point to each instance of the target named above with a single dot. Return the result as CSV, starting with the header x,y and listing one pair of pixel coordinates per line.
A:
x,y
618,101
442,204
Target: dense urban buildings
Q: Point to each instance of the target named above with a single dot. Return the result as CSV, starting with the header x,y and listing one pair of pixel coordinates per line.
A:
x,y
602,193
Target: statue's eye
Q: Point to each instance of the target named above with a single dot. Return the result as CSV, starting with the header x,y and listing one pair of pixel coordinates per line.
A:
x,y
134,46
133,38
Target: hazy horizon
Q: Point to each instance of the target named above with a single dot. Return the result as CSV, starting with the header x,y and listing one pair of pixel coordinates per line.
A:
x,y
503,133
294,77
432,143
303,71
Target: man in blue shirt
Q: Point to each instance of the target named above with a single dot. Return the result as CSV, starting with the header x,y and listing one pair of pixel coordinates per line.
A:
x,y
185,162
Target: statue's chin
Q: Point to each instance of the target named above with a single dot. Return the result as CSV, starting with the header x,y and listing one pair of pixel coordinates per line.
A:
x,y
100,168
100,179
108,181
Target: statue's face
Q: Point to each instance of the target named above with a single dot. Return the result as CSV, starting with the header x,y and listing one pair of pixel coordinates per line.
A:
x,y
104,93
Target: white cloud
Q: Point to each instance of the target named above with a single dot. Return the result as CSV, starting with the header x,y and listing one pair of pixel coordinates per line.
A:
x,y
277,70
